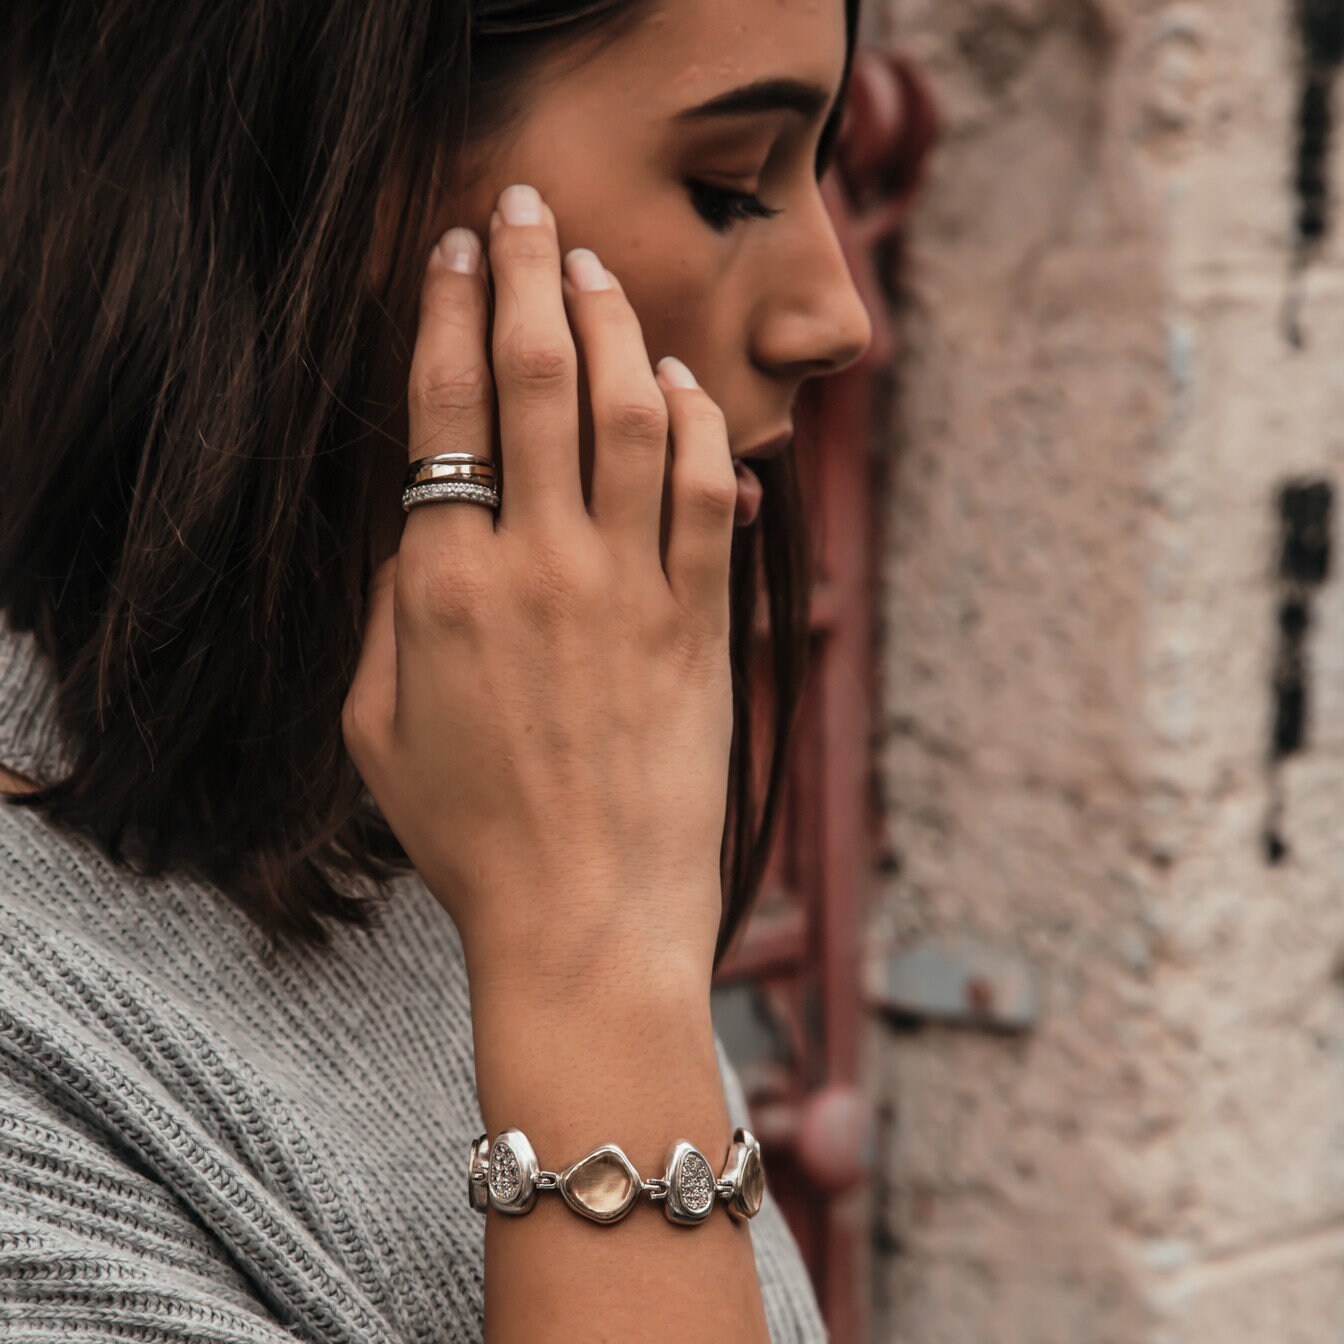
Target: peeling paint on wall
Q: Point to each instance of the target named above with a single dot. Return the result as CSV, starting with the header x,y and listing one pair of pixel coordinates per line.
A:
x,y
1320,26
1305,510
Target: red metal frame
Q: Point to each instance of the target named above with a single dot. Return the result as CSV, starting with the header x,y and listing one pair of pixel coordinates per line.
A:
x,y
799,952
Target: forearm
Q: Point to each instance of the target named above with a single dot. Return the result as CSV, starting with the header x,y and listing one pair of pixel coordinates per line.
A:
x,y
632,1064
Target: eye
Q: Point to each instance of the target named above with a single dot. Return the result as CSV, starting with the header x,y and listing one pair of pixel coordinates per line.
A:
x,y
721,208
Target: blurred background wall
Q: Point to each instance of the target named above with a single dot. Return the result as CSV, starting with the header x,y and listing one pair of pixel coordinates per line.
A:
x,y
1104,948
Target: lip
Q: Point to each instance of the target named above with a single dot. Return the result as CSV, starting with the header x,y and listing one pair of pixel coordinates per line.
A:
x,y
771,447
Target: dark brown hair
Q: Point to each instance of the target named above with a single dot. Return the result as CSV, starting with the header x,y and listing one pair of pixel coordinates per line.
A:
x,y
189,197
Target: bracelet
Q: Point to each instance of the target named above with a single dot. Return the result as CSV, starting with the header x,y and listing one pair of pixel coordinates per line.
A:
x,y
604,1185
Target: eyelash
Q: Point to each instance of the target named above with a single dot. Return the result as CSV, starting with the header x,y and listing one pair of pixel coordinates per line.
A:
x,y
721,209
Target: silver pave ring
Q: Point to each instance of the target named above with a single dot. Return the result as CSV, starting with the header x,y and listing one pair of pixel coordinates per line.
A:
x,y
433,492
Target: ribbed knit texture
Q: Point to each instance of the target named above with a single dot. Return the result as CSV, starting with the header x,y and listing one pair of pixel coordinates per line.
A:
x,y
202,1140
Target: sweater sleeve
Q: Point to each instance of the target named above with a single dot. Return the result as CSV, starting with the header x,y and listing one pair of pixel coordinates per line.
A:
x,y
791,1308
123,1214
92,1248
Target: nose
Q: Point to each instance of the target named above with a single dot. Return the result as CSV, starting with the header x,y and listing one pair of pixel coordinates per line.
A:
x,y
813,321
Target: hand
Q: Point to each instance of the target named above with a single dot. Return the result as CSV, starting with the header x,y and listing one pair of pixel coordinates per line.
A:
x,y
542,707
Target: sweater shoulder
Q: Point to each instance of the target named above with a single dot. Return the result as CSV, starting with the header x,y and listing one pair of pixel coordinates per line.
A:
x,y
132,958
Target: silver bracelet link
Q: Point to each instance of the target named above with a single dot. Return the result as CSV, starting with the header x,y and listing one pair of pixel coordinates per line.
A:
x,y
604,1185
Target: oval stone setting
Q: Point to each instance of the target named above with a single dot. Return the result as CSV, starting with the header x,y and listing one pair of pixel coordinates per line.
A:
x,y
601,1186
753,1183
695,1183
511,1175
690,1185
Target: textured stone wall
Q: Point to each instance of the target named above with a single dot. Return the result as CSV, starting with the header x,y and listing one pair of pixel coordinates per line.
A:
x,y
1081,601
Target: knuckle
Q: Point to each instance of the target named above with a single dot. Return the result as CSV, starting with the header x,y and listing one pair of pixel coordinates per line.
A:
x,y
543,366
714,493
703,412
447,302
454,394
528,247
446,591
634,418
700,647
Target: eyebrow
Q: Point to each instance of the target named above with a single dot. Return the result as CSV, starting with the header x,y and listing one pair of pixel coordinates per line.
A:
x,y
765,95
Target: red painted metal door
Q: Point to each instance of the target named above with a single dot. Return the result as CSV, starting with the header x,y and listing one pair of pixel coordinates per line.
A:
x,y
787,999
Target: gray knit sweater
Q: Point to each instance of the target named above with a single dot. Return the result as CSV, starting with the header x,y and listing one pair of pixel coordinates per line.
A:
x,y
201,1140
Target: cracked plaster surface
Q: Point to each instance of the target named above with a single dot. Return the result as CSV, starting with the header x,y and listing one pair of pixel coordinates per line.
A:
x,y
1096,410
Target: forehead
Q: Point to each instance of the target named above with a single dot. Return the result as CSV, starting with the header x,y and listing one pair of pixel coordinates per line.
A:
x,y
687,51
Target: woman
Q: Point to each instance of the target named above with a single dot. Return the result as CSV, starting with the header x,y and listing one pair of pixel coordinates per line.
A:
x,y
345,825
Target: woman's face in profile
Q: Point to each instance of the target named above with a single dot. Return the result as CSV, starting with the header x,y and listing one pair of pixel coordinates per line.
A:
x,y
667,195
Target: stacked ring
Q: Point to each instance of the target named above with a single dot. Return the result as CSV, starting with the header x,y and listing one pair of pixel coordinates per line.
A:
x,y
450,476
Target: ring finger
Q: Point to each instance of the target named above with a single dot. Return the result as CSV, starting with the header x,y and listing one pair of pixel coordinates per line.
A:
x,y
451,404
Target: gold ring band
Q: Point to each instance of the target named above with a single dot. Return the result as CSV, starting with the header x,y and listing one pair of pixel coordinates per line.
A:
x,y
452,459
444,472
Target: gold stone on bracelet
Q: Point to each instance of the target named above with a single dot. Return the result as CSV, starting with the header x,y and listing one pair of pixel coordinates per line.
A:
x,y
744,1174
513,1169
602,1186
690,1185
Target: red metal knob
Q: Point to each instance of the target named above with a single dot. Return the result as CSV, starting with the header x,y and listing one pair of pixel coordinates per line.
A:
x,y
837,1137
872,125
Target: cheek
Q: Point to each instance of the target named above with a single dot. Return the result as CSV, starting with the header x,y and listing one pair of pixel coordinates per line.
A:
x,y
673,317
698,325
684,310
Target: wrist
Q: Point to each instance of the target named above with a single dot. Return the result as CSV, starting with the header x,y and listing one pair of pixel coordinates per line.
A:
x,y
631,1066
667,981
657,948
622,1026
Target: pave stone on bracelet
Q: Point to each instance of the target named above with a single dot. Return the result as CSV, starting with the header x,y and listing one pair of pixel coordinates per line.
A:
x,y
604,1185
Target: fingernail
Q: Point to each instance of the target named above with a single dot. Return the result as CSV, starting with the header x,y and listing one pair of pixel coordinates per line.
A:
x,y
676,372
460,250
585,271
520,205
